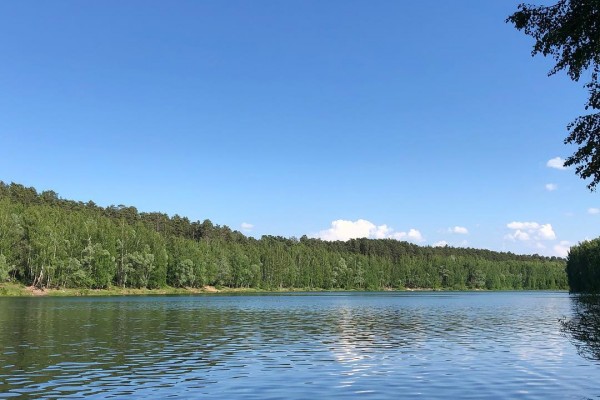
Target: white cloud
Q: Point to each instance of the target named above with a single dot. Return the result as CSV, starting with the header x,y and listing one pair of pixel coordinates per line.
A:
x,y
593,210
441,243
537,237
557,163
361,228
525,231
414,235
523,225
520,235
551,187
546,232
459,229
562,249
246,226
344,230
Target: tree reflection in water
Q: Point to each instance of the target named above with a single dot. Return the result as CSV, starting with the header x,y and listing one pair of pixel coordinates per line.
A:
x,y
583,328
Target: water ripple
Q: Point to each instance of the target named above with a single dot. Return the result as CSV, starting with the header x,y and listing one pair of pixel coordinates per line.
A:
x,y
387,345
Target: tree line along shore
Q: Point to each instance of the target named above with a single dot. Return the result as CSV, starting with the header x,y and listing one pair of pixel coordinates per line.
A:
x,y
52,244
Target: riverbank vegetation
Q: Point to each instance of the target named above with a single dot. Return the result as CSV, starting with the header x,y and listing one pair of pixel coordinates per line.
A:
x,y
583,267
19,290
48,242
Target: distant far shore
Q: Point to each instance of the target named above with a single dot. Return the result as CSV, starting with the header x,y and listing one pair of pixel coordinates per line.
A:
x,y
18,290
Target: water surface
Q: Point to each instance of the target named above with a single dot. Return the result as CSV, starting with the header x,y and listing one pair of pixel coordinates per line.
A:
x,y
297,346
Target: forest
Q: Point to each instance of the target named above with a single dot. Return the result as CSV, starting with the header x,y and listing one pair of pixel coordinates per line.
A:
x,y
50,242
582,267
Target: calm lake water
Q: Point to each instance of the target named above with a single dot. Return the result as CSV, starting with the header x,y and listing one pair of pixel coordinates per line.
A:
x,y
536,345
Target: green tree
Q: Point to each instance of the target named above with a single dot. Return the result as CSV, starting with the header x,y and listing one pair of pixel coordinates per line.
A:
x,y
224,276
12,243
141,263
52,242
359,277
569,31
99,265
184,273
73,275
583,267
4,269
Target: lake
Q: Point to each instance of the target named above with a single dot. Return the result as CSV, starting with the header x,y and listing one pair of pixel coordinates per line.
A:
x,y
530,345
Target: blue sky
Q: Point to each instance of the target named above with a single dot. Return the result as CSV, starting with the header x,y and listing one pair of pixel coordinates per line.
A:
x,y
426,121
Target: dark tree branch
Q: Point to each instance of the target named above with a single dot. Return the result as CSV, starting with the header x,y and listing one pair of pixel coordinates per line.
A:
x,y
569,32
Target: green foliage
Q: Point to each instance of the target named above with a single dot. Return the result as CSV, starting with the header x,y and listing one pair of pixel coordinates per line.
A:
x,y
4,269
184,274
583,267
13,290
99,265
54,243
141,265
569,31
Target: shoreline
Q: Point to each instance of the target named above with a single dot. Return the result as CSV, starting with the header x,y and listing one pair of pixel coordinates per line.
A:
x,y
19,290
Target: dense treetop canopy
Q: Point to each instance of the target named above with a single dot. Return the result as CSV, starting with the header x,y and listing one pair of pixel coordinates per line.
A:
x,y
47,241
